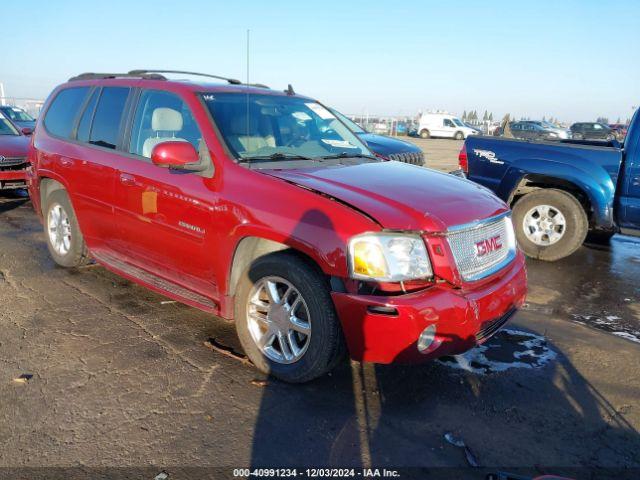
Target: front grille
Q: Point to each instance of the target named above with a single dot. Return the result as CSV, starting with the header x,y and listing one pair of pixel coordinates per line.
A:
x,y
482,248
413,158
491,327
9,163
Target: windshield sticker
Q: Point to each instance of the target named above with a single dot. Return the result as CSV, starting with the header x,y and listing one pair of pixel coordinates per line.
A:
x,y
1,116
338,143
319,110
15,109
301,116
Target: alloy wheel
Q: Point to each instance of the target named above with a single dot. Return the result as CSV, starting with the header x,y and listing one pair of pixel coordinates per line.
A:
x,y
278,320
59,230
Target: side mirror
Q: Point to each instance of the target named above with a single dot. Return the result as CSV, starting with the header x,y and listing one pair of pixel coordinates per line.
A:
x,y
27,131
176,155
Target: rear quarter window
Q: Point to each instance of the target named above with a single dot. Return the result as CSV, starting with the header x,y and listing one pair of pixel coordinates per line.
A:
x,y
60,116
107,120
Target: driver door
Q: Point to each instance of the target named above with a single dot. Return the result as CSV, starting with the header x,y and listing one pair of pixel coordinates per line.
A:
x,y
164,216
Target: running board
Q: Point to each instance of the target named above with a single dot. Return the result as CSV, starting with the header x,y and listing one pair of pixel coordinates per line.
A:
x,y
158,284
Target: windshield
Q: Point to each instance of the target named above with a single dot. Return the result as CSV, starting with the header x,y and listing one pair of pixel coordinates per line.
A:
x,y
458,122
17,114
355,128
255,125
6,128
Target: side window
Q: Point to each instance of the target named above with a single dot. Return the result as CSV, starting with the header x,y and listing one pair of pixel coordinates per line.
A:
x,y
108,117
597,126
162,117
61,115
85,121
448,123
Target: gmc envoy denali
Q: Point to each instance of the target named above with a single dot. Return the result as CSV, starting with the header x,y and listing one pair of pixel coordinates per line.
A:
x,y
262,207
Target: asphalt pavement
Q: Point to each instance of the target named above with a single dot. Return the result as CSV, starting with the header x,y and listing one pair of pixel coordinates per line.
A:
x,y
98,372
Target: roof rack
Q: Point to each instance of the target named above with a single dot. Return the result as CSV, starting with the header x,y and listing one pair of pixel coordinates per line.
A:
x,y
100,76
232,81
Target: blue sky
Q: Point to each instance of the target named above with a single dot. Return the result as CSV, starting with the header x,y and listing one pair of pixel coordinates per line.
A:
x,y
571,59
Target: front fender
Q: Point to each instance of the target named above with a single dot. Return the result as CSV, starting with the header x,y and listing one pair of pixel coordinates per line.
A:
x,y
591,179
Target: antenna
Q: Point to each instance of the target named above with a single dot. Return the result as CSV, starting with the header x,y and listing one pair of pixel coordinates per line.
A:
x,y
248,61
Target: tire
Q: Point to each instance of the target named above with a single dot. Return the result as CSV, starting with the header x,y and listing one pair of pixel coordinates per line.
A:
x,y
322,349
459,136
611,137
578,136
574,230
425,134
71,251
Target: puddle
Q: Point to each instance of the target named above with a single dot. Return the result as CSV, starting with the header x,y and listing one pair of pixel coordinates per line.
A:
x,y
505,350
612,324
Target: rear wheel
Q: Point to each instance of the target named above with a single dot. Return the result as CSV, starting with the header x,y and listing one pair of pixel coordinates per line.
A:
x,y
611,137
286,320
459,136
578,136
425,133
550,224
64,239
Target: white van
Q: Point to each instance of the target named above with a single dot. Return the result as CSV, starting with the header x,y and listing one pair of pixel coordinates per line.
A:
x,y
443,125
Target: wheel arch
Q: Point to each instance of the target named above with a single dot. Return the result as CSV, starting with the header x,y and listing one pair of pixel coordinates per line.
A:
x,y
48,185
251,248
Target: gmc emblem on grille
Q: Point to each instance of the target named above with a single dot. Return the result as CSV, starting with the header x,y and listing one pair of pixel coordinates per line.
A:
x,y
488,245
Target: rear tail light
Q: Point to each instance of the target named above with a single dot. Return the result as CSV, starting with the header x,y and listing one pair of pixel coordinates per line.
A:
x,y
463,162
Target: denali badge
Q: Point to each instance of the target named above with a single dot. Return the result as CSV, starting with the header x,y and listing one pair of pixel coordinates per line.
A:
x,y
488,245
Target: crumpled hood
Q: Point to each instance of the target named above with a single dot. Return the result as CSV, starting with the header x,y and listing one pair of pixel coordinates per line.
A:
x,y
400,196
14,145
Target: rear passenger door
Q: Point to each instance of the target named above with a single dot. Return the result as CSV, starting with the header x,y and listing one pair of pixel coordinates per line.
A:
x,y
165,216
89,121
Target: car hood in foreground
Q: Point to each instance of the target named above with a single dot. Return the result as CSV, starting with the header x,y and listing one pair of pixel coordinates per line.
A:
x,y
14,145
400,196
385,146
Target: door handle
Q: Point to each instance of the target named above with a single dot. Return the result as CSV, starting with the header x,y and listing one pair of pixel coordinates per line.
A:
x,y
127,179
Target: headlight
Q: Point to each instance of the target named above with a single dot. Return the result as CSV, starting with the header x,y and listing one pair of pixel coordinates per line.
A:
x,y
388,257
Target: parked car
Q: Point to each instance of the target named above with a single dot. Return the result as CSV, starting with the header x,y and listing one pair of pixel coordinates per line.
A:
x,y
19,117
383,146
13,155
620,129
563,133
527,130
443,125
260,206
561,191
592,131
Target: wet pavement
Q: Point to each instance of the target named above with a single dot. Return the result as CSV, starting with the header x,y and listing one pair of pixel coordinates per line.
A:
x,y
98,372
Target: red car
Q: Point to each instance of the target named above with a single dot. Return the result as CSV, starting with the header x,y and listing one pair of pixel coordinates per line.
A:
x,y
620,130
13,155
262,207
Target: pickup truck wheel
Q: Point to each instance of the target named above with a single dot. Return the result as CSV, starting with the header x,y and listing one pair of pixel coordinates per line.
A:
x,y
64,239
286,320
550,224
459,136
425,133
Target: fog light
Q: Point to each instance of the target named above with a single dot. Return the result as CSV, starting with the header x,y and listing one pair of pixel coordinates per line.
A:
x,y
426,338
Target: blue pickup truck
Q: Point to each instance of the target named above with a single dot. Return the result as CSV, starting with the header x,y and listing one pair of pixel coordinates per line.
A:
x,y
561,191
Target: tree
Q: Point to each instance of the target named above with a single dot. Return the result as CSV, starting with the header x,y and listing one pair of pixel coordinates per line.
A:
x,y
618,121
491,117
544,119
464,116
485,117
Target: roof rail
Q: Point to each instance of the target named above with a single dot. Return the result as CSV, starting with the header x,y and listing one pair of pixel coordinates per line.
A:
x,y
232,81
100,76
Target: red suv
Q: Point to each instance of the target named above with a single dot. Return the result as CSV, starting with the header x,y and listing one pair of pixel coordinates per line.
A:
x,y
262,207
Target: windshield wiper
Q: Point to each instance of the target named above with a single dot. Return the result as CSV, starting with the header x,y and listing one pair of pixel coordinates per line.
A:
x,y
276,156
349,155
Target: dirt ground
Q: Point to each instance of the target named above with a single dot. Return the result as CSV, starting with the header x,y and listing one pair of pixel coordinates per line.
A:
x,y
116,376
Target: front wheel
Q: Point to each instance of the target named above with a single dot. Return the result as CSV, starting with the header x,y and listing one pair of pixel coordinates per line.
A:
x,y
286,320
459,136
550,224
425,134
